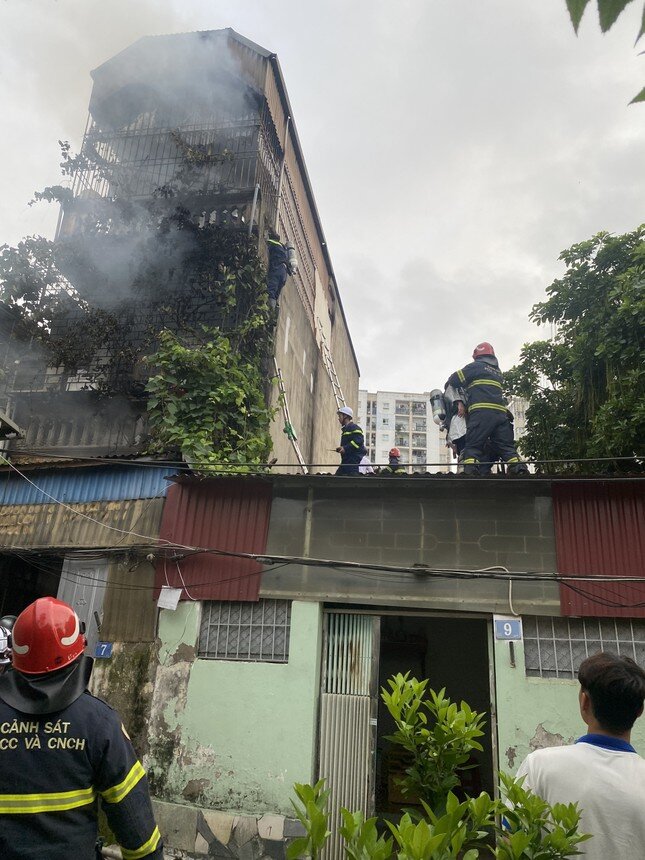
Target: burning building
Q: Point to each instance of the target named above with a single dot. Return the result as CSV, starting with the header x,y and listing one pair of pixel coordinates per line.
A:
x,y
186,133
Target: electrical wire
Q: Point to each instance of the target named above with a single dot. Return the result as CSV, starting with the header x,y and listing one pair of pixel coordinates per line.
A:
x,y
489,573
233,467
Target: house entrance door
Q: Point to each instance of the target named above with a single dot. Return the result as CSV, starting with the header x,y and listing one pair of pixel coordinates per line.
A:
x,y
451,651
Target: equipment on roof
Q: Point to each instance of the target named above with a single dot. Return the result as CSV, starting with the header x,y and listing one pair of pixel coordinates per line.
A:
x,y
438,406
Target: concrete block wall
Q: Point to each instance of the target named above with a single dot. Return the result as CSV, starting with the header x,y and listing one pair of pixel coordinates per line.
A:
x,y
441,522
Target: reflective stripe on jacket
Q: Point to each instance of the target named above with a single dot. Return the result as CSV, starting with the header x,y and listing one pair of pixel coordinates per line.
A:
x,y
352,442
54,769
483,383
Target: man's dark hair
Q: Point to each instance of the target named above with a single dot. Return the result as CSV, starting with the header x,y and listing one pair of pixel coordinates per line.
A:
x,y
616,687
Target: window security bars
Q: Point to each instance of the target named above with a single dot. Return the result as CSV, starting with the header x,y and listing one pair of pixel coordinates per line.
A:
x,y
254,632
555,647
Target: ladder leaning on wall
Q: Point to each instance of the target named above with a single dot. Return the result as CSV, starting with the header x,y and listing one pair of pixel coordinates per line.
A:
x,y
288,426
328,361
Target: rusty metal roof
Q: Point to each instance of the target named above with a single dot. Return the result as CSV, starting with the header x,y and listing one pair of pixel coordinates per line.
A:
x,y
599,529
52,526
225,514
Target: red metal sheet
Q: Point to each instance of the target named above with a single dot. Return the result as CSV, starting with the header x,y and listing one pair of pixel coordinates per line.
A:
x,y
225,514
599,529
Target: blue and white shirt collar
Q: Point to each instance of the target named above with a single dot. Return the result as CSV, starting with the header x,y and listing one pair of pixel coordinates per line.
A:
x,y
606,742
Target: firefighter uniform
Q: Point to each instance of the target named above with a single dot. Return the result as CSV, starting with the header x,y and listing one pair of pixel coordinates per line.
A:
x,y
352,443
54,767
488,417
393,469
277,269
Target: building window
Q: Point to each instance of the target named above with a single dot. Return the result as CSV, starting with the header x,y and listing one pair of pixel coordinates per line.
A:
x,y
386,406
255,632
385,437
403,406
555,647
418,407
385,421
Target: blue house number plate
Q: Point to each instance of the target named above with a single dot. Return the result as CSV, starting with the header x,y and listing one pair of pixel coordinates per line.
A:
x,y
103,649
508,628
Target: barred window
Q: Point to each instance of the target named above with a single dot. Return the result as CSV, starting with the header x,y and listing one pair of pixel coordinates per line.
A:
x,y
555,647
255,632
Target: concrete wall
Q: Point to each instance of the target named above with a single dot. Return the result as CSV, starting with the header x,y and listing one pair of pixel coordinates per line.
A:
x,y
230,735
537,712
310,395
445,522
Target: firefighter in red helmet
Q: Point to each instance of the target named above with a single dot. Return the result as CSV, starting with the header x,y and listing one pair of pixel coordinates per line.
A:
x,y
394,466
489,425
63,749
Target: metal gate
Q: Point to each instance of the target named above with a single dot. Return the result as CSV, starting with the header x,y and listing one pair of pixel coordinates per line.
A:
x,y
348,711
82,585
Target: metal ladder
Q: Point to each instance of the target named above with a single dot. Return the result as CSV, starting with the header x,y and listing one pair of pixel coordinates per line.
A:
x,y
288,426
328,361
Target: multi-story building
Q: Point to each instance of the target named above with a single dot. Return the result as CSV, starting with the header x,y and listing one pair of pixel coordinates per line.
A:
x,y
518,406
208,111
399,419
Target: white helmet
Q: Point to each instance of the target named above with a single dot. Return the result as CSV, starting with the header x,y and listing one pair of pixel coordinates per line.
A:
x,y
345,410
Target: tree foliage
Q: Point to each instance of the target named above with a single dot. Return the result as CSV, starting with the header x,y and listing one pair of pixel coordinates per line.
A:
x,y
608,13
586,386
148,288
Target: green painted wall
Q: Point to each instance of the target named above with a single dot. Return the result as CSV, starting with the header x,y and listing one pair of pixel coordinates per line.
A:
x,y
233,735
536,712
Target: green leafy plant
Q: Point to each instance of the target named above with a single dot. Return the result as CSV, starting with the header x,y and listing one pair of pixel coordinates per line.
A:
x,y
608,13
459,832
362,839
438,734
314,817
531,829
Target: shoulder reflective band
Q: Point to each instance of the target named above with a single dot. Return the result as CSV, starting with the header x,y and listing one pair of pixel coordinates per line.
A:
x,y
460,375
147,847
473,406
118,792
273,242
485,382
55,801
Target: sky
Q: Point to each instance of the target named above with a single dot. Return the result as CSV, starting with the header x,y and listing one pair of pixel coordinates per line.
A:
x,y
455,147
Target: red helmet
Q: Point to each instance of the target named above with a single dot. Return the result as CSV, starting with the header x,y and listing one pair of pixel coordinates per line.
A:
x,y
47,636
483,349
394,452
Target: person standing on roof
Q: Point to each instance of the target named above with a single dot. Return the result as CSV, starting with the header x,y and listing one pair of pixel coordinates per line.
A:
x,y
394,466
63,749
352,443
488,417
278,268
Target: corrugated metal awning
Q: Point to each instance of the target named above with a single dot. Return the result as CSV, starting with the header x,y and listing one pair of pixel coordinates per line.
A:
x,y
224,514
599,530
92,484
51,526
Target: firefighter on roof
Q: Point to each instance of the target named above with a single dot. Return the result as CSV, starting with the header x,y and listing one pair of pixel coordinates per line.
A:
x,y
352,444
488,417
61,750
394,466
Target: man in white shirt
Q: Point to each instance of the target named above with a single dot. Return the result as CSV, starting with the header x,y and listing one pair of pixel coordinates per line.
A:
x,y
602,771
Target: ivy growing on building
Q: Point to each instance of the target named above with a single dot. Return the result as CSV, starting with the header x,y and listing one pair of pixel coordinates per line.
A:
x,y
150,300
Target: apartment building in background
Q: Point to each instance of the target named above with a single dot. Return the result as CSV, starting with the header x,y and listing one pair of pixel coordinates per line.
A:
x,y
403,420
